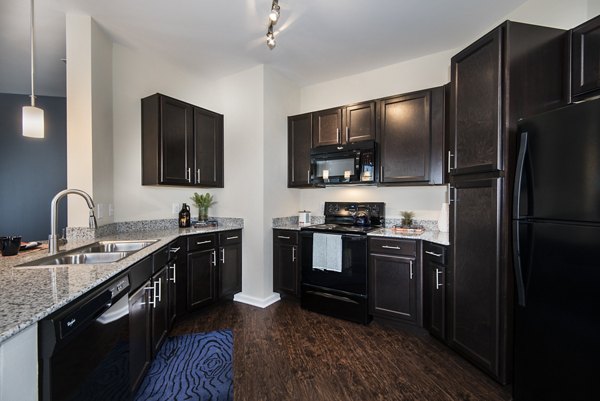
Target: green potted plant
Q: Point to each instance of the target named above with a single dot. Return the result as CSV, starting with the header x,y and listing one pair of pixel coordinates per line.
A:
x,y
203,202
407,219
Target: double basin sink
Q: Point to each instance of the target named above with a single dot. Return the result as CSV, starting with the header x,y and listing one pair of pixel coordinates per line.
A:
x,y
96,253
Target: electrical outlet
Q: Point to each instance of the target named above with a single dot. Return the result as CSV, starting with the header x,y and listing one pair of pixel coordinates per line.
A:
x,y
175,208
99,211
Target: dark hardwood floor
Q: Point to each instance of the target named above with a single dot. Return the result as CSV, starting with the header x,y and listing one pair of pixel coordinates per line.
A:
x,y
286,353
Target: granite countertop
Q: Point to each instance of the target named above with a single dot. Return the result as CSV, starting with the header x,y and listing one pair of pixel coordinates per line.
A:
x,y
28,294
435,236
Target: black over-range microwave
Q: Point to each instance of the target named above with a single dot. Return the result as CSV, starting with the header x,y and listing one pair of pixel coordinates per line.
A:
x,y
352,163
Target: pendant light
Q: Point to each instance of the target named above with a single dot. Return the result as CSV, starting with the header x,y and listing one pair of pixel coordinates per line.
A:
x,y
33,117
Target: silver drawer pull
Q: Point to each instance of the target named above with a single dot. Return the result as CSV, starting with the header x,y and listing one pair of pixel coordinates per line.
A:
x,y
174,279
213,258
411,269
390,247
437,279
294,253
203,242
174,250
283,237
222,255
437,255
234,237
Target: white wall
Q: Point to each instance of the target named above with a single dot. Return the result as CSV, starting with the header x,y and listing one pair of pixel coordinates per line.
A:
x,y
89,117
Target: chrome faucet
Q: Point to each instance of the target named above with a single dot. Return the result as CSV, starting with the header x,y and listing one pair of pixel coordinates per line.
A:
x,y
53,237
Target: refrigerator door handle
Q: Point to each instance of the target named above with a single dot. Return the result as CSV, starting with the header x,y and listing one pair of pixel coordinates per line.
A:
x,y
517,265
519,175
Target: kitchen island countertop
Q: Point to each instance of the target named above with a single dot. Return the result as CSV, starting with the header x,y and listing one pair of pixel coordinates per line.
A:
x,y
28,294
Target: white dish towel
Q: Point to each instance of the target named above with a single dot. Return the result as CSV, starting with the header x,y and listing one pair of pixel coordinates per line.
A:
x,y
327,252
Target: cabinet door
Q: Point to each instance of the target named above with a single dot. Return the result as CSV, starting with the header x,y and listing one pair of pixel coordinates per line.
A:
x,y
299,144
474,287
139,334
405,140
476,103
392,287
200,278
359,122
327,127
176,126
160,310
285,273
230,270
208,146
585,68
435,275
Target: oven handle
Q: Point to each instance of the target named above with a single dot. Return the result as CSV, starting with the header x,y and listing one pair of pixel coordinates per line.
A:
x,y
326,295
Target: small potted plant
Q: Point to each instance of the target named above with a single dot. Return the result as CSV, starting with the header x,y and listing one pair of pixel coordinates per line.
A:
x,y
203,202
407,218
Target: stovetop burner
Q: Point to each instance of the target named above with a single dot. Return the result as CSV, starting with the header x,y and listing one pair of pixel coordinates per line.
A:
x,y
340,216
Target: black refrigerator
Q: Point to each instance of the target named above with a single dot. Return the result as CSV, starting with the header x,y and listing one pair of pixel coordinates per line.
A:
x,y
556,245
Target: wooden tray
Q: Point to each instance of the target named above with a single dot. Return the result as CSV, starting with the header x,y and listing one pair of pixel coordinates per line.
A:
x,y
416,230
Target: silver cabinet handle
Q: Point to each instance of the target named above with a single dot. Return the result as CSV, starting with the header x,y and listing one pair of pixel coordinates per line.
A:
x,y
337,132
437,279
452,195
203,242
293,254
189,174
411,269
347,134
390,247
174,250
223,255
173,267
283,237
234,237
159,282
197,176
449,160
308,176
437,255
153,303
213,257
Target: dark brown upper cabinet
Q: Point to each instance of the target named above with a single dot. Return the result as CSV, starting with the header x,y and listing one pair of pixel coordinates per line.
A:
x,y
353,123
585,60
514,71
411,139
181,144
299,144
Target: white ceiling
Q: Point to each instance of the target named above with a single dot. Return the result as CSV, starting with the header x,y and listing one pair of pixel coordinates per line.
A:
x,y
317,40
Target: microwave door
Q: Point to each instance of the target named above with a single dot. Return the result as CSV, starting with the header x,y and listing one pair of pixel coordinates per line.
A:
x,y
334,170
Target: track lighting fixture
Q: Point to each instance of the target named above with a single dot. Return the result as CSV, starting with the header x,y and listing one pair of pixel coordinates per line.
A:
x,y
274,14
270,37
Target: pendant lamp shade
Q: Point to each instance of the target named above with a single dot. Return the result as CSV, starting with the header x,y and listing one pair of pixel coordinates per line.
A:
x,y
33,122
33,117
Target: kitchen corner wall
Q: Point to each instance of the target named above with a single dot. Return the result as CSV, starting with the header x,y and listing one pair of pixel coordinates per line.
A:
x,y
89,118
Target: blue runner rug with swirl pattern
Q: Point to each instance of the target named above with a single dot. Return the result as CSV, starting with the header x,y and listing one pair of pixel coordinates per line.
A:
x,y
193,367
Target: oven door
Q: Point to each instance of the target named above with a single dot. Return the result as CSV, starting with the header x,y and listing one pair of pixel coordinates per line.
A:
x,y
353,275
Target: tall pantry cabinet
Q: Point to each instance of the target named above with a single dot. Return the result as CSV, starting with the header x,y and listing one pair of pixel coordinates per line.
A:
x,y
514,71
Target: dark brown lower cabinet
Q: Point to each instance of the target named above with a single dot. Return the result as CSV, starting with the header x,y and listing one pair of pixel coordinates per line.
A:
x,y
434,287
395,280
160,310
479,280
140,353
286,275
214,267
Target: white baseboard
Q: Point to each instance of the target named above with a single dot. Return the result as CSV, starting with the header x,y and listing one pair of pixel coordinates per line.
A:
x,y
259,302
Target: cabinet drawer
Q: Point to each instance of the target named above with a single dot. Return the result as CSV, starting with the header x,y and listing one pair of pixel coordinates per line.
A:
x,y
285,237
393,246
230,237
140,273
201,242
160,258
435,252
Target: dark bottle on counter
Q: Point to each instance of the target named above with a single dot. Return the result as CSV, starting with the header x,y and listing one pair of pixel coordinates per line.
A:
x,y
184,216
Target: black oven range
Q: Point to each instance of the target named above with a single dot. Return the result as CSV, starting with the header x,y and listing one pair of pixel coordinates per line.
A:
x,y
334,260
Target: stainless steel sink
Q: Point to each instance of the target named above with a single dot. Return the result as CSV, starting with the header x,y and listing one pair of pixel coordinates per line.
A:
x,y
117,246
96,253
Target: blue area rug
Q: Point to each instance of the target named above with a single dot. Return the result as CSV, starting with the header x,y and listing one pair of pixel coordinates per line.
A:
x,y
193,367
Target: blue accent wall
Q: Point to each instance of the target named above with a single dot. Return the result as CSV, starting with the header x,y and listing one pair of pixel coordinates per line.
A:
x,y
32,170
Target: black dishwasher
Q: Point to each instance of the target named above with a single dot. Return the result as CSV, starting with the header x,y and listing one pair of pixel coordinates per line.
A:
x,y
84,347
